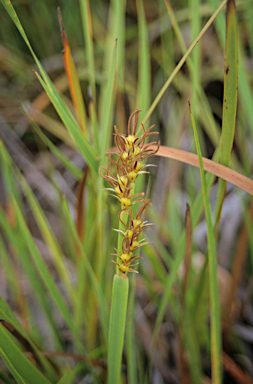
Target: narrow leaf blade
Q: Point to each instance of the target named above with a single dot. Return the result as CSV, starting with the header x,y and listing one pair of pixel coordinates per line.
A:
x,y
229,97
19,362
212,266
74,84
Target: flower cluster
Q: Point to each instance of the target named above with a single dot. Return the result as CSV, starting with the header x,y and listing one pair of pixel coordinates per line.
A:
x,y
131,155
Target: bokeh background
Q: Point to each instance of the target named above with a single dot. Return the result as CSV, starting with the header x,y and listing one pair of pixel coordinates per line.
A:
x,y
148,49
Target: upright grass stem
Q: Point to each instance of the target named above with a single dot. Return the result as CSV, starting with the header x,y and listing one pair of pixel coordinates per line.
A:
x,y
117,326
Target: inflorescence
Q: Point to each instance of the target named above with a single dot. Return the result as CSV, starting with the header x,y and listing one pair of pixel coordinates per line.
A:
x,y
131,152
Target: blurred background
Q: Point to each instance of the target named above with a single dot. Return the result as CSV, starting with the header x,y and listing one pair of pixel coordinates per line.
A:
x,y
148,49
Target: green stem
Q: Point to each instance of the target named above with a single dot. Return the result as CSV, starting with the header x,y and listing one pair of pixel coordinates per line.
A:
x,y
130,338
124,217
117,327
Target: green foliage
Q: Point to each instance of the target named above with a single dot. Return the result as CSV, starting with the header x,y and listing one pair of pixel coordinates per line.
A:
x,y
56,239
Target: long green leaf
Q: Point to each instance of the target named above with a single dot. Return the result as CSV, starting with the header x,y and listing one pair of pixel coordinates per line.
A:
x,y
116,31
230,85
245,90
54,149
73,80
28,372
144,66
105,143
206,116
144,75
11,368
106,129
130,336
117,327
7,315
88,39
229,98
71,124
213,282
114,44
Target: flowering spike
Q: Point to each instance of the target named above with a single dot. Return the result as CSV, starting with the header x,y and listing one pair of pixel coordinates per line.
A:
x,y
132,152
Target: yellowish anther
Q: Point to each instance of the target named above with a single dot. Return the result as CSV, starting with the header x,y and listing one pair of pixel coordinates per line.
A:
x,y
118,190
129,141
128,233
122,181
137,222
134,245
124,155
136,151
132,176
137,166
124,268
125,257
125,202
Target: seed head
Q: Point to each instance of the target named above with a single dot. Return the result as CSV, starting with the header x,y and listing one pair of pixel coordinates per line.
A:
x,y
132,152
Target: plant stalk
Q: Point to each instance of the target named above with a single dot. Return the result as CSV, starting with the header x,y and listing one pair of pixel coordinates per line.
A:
x,y
117,327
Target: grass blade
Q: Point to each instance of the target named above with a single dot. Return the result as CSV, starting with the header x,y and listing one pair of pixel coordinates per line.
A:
x,y
74,84
69,377
244,85
182,61
11,368
71,124
207,118
17,361
144,70
7,315
130,335
230,85
229,99
106,129
115,36
213,283
117,327
54,149
88,39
